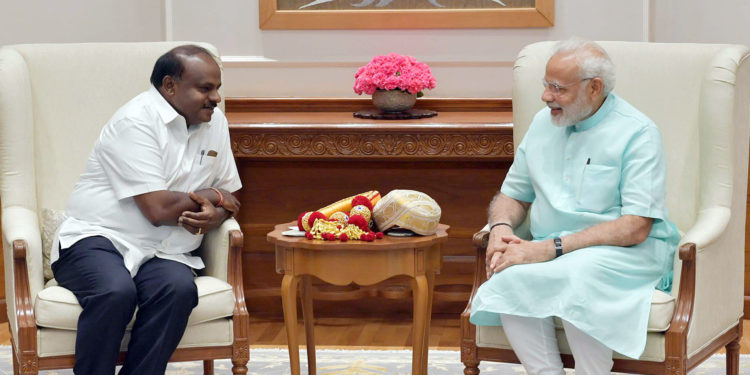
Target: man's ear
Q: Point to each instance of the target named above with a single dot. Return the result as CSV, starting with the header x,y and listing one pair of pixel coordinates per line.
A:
x,y
597,87
168,83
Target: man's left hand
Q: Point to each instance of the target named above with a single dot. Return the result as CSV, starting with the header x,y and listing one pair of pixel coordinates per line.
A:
x,y
521,252
207,218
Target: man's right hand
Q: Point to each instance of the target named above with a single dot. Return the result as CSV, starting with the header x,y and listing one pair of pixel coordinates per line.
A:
x,y
497,244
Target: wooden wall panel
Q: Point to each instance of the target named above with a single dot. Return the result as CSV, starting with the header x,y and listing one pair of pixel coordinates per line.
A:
x,y
459,160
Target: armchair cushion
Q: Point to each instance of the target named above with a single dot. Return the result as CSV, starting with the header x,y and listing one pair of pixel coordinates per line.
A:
x,y
662,308
51,220
57,307
494,337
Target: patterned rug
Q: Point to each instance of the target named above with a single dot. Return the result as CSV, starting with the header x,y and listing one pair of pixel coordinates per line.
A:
x,y
363,362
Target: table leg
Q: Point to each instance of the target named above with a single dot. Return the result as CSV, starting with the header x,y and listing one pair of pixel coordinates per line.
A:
x,y
307,317
428,319
421,296
289,303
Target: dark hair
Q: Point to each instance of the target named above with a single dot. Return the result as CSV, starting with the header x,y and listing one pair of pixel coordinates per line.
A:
x,y
171,63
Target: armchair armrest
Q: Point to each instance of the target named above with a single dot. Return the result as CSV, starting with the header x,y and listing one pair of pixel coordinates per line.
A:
x,y
19,233
479,240
709,226
468,330
222,255
217,247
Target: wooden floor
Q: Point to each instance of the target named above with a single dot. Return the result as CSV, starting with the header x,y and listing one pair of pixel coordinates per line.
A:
x,y
362,333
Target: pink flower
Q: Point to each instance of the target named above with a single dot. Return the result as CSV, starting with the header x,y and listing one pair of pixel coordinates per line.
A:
x,y
393,71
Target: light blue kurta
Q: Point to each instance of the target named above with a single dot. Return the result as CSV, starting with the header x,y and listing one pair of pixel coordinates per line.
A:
x,y
606,166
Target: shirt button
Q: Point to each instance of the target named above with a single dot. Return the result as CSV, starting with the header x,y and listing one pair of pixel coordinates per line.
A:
x,y
566,178
567,158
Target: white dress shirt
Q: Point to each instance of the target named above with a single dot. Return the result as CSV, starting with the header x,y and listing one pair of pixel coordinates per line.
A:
x,y
145,147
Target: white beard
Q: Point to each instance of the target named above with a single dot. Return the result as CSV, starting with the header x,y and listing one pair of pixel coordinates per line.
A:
x,y
574,112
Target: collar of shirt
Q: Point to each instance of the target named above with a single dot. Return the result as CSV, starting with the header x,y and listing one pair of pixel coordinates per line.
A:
x,y
168,114
166,111
603,111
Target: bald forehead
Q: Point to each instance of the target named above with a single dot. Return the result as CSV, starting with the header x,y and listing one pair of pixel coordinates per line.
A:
x,y
562,67
578,55
196,58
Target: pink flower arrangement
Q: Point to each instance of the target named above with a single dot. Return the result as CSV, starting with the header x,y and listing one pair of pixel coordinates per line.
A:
x,y
394,71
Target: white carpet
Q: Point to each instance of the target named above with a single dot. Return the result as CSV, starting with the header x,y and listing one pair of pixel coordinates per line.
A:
x,y
363,362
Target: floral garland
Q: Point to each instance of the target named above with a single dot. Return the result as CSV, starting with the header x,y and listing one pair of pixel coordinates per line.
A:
x,y
340,226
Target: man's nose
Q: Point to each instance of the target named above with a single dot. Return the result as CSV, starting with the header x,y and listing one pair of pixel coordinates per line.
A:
x,y
215,97
547,95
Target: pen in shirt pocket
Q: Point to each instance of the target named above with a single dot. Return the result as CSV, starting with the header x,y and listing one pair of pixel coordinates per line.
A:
x,y
588,161
203,152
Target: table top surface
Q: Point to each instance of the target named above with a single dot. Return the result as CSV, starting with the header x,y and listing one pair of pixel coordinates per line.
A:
x,y
387,242
251,118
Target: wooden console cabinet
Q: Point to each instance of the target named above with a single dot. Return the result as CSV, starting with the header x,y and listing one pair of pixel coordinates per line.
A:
x,y
300,155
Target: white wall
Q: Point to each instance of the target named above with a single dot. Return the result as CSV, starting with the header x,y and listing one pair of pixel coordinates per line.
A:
x,y
55,21
723,21
321,63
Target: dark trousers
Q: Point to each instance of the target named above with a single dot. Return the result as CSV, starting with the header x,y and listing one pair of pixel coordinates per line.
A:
x,y
163,290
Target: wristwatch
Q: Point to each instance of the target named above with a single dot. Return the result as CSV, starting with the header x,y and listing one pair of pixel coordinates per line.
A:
x,y
558,247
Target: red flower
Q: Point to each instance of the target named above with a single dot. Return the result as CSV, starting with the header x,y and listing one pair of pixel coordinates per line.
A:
x,y
314,216
379,235
343,237
299,221
361,200
359,221
308,235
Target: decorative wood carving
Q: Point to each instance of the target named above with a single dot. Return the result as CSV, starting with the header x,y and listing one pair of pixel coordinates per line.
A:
x,y
675,366
240,318
363,145
30,366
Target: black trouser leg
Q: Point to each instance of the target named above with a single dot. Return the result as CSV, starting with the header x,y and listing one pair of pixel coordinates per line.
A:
x,y
166,296
95,272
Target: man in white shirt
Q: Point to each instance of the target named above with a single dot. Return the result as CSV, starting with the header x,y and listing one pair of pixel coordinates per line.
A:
x,y
160,175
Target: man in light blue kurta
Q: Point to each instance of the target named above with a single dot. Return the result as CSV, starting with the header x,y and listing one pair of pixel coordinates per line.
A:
x,y
594,169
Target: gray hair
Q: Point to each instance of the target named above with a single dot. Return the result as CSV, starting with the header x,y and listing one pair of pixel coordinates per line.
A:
x,y
593,61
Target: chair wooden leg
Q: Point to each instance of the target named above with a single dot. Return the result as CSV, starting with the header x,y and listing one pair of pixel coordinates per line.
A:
x,y
733,357
239,367
471,368
29,365
15,360
208,367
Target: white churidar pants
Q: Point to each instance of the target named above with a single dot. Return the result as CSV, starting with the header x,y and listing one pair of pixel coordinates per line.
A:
x,y
534,342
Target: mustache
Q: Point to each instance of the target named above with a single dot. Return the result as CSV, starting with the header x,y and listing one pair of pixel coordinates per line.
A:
x,y
211,105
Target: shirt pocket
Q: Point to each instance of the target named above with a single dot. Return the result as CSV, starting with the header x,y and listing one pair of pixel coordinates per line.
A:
x,y
599,189
204,170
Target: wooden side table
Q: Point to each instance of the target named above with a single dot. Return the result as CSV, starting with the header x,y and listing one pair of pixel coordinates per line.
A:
x,y
362,263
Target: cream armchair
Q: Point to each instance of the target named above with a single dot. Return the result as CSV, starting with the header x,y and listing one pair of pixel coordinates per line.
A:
x,y
698,96
54,100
